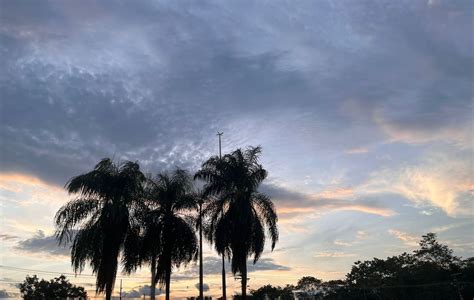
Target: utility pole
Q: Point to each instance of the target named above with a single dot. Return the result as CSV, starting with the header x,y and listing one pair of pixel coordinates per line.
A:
x,y
120,295
224,296
201,284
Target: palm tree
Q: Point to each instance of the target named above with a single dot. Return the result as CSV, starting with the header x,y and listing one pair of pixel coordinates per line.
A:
x,y
98,221
168,238
238,214
141,247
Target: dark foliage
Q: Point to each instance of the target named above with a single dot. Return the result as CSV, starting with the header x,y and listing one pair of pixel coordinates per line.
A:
x,y
99,220
308,283
58,288
238,214
165,238
285,293
431,272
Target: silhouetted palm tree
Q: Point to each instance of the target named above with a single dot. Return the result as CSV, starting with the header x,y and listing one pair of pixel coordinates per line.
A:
x,y
238,214
98,221
168,238
141,246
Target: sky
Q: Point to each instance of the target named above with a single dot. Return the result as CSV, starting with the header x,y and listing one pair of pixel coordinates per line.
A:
x,y
364,111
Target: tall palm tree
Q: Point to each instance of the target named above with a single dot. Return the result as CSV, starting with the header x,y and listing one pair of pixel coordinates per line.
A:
x,y
98,221
169,238
238,214
141,247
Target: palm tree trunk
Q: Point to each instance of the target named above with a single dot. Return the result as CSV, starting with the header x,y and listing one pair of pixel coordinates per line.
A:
x,y
153,278
108,292
224,296
110,269
168,280
244,281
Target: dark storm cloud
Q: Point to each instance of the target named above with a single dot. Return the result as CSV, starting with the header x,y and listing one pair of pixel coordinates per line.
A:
x,y
154,81
41,243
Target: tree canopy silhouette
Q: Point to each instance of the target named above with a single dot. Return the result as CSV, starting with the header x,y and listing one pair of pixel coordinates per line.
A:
x,y
58,288
430,272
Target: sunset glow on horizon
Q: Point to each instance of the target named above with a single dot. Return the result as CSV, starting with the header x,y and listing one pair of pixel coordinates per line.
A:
x,y
363,109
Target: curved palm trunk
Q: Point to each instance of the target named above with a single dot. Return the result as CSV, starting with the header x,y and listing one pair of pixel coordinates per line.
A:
x,y
244,281
153,278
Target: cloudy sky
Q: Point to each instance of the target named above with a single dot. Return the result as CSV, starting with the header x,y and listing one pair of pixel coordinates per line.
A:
x,y
364,110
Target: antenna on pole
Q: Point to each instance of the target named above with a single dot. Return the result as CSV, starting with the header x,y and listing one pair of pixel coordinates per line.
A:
x,y
220,134
224,293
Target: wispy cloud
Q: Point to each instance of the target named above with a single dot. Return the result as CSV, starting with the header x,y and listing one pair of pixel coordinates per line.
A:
x,y
440,180
357,150
406,238
8,237
291,203
327,254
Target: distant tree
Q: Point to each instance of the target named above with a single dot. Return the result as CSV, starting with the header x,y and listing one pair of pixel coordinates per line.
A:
x,y
99,220
464,277
308,283
285,293
431,251
266,291
58,288
431,272
238,214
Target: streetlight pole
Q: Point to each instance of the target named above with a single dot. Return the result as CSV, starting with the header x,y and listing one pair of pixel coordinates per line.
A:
x,y
224,296
120,295
201,284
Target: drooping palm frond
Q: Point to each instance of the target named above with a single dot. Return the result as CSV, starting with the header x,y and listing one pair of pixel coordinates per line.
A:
x,y
73,213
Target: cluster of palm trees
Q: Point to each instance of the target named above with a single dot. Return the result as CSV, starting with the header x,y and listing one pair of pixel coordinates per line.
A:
x,y
122,217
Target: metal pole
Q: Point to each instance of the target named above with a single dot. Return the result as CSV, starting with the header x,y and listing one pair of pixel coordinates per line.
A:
x,y
224,296
220,152
201,284
120,295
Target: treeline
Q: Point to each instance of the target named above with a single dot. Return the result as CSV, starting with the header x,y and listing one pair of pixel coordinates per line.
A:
x,y
122,218
58,288
430,272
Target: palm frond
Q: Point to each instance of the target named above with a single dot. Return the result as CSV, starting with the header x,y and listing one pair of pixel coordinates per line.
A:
x,y
72,214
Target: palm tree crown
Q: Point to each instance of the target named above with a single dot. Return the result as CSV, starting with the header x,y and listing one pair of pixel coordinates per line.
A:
x,y
168,235
238,214
99,219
